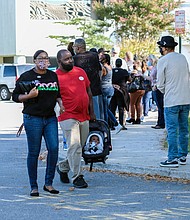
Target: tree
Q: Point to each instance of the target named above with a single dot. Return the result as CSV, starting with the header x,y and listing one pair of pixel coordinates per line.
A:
x,y
91,30
139,22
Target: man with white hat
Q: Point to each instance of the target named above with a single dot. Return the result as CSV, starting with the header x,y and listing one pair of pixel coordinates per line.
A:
x,y
174,82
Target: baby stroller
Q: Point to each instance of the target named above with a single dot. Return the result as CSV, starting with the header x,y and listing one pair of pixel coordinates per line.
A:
x,y
101,128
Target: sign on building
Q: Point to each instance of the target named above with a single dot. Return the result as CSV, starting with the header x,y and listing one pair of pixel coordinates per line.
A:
x,y
180,22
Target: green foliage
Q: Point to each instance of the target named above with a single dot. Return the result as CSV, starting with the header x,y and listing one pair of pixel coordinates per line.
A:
x,y
138,21
92,31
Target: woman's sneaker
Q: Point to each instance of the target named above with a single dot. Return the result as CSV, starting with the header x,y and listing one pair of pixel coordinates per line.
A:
x,y
171,164
118,128
182,160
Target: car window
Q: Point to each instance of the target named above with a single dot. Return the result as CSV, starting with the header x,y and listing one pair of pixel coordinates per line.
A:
x,y
24,68
9,71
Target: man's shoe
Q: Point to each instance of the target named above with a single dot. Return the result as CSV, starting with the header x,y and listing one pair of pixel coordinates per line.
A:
x,y
131,120
158,127
79,182
63,176
171,164
182,160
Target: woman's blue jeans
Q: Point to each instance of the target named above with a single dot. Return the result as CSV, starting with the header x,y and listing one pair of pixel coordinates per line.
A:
x,y
176,119
107,95
36,128
98,106
146,102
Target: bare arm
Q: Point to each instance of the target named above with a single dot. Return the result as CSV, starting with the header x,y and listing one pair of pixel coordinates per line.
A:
x,y
32,94
60,103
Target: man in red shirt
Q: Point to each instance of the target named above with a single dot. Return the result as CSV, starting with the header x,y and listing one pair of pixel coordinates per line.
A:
x,y
77,100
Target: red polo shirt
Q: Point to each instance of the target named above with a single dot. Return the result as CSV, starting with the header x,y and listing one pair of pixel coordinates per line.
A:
x,y
73,86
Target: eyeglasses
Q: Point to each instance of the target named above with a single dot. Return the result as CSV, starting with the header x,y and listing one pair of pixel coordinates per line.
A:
x,y
42,58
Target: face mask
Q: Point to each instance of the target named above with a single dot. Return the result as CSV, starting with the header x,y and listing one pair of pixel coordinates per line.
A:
x,y
43,64
149,63
67,67
161,51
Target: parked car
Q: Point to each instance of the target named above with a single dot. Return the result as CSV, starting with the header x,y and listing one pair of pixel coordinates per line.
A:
x,y
9,73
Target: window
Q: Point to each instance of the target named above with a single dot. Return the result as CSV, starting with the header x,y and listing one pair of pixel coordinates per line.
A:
x,y
9,71
24,68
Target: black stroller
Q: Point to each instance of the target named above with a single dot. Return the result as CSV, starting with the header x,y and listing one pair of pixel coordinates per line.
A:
x,y
101,128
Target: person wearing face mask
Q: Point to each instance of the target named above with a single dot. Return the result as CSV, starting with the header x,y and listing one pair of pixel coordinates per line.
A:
x,y
174,82
38,89
77,99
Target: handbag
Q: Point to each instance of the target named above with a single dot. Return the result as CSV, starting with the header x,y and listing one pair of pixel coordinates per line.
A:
x,y
26,86
132,87
147,85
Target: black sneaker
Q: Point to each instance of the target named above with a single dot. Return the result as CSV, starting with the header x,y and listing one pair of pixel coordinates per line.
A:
x,y
79,182
182,160
171,164
63,176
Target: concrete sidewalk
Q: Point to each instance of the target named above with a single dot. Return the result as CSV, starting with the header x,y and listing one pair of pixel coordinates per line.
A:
x,y
139,150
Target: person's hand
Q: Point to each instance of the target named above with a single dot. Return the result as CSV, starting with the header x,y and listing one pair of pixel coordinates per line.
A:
x,y
33,93
92,117
62,109
154,88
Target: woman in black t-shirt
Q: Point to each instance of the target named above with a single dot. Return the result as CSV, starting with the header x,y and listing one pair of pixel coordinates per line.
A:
x,y
120,98
38,89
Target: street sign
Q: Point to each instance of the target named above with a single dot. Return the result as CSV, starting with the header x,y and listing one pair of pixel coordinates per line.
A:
x,y
180,22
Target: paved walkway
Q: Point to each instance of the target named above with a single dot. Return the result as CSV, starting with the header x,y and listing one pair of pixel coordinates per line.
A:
x,y
139,150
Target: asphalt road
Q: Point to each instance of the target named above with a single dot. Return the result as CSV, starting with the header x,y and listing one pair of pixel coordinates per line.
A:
x,y
109,196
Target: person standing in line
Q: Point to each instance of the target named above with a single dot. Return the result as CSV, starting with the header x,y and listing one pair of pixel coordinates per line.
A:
x,y
106,84
77,99
136,97
89,62
121,98
38,89
129,60
158,96
148,89
174,83
70,48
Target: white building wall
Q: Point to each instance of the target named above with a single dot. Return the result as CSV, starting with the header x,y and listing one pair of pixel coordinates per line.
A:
x,y
7,28
20,36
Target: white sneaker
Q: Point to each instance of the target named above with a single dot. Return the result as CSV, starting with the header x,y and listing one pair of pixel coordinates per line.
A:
x,y
118,128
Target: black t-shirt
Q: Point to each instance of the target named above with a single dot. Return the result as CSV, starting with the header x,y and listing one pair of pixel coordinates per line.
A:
x,y
48,87
89,62
120,76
